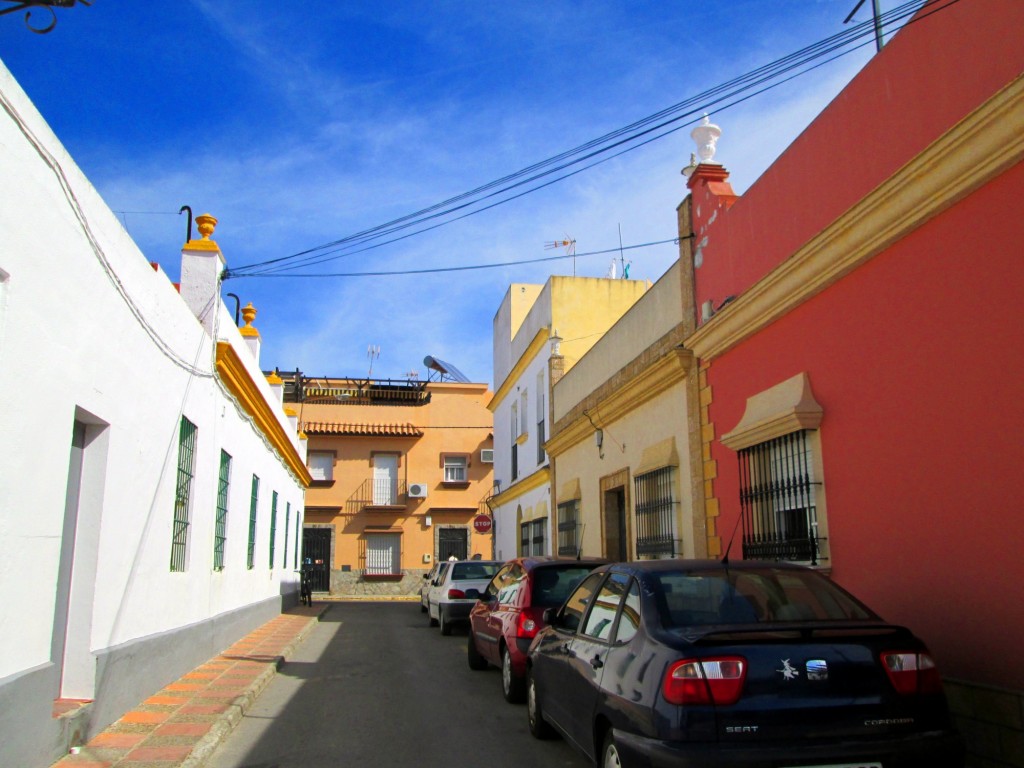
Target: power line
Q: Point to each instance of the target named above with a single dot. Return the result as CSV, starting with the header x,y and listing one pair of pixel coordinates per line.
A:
x,y
463,267
632,136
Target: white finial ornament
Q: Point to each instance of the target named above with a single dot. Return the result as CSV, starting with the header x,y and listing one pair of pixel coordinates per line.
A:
x,y
706,135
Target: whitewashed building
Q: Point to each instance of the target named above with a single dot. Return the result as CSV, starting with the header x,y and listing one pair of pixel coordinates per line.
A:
x,y
151,483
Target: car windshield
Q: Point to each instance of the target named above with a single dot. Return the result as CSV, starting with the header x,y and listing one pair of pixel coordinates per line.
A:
x,y
552,584
471,571
750,596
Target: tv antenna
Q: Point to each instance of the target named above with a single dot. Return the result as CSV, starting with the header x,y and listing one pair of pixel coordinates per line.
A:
x,y
570,249
877,14
372,352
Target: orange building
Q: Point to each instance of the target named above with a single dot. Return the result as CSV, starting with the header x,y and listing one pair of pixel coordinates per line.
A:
x,y
400,473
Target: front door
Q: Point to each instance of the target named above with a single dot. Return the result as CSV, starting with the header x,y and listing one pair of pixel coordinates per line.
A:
x,y
452,541
385,480
615,544
316,557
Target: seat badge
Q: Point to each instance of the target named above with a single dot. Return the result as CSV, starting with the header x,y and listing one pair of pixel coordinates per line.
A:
x,y
789,672
817,669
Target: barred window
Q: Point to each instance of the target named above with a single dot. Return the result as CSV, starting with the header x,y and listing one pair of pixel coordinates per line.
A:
x,y
183,494
778,499
273,527
568,528
656,514
455,469
221,522
287,523
250,557
532,538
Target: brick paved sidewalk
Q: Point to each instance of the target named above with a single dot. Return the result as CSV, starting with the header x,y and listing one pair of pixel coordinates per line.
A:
x,y
179,726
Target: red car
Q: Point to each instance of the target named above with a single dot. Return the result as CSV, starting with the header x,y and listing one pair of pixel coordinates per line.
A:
x,y
508,614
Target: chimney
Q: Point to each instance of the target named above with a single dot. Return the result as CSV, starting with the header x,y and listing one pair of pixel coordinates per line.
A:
x,y
201,266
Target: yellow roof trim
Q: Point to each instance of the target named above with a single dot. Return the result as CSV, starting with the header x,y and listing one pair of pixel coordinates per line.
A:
x,y
542,337
514,491
236,378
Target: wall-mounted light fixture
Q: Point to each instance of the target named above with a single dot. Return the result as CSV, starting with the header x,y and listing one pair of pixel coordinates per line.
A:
x,y
428,521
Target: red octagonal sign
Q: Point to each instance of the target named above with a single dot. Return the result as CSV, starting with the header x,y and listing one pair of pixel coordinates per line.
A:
x,y
482,523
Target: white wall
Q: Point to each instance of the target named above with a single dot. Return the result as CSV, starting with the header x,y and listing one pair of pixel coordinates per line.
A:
x,y
89,331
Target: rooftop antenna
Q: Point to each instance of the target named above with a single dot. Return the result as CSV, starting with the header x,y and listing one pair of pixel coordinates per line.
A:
x,y
570,249
876,13
412,375
624,270
372,352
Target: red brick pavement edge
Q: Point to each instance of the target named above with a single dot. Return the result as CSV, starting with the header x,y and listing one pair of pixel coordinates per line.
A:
x,y
180,725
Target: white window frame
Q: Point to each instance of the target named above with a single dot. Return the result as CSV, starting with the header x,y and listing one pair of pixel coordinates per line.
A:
x,y
321,465
456,469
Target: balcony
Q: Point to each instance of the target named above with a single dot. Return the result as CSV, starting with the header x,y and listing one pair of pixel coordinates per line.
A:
x,y
378,494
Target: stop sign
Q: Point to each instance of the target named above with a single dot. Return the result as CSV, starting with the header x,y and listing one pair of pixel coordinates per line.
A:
x,y
482,523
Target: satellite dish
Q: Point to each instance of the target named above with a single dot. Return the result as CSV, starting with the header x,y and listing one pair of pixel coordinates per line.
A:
x,y
444,370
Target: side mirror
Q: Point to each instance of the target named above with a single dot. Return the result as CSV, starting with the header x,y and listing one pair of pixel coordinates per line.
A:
x,y
426,575
550,615
473,594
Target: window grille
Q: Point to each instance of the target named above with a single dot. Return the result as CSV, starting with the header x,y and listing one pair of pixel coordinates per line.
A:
x,y
568,528
656,513
532,536
273,527
298,523
515,461
182,494
542,410
221,523
287,527
250,558
778,500
383,554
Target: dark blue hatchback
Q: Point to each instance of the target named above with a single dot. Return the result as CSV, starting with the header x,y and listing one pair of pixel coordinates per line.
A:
x,y
759,665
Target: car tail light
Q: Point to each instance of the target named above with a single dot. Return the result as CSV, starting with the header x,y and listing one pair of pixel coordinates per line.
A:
x,y
456,594
912,672
527,624
705,681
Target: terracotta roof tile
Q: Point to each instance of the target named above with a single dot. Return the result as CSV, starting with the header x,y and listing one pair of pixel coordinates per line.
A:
x,y
361,430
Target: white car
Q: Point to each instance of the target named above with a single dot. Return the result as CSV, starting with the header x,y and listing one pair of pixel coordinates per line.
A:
x,y
447,600
428,579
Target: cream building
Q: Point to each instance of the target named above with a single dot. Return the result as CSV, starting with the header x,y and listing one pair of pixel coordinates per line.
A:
x,y
540,332
622,450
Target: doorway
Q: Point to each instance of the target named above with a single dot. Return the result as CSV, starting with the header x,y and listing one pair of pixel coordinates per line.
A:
x,y
316,556
452,541
614,524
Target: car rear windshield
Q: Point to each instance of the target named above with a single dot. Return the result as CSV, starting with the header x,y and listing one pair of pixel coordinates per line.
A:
x,y
747,597
473,571
553,583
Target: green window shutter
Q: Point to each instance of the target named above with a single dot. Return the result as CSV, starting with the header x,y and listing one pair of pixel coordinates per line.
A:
x,y
273,528
182,494
250,560
221,526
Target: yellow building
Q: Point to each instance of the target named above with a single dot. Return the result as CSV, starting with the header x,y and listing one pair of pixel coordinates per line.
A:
x,y
400,471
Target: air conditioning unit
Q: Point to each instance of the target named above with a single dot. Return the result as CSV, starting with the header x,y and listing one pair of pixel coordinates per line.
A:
x,y
417,490
486,455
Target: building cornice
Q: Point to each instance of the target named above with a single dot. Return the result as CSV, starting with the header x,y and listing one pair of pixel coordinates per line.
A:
x,y
669,369
541,477
981,146
235,376
539,340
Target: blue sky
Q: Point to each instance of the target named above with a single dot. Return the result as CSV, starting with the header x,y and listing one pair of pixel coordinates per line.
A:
x,y
297,124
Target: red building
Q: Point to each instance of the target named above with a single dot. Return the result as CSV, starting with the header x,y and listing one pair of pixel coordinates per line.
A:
x,y
862,377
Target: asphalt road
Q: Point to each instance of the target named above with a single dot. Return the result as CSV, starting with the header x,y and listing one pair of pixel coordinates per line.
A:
x,y
374,686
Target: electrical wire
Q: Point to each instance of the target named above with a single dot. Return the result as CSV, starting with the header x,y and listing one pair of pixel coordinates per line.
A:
x,y
465,267
757,81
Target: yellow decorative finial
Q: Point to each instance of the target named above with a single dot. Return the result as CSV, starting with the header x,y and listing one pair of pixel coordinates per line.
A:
x,y
248,314
206,224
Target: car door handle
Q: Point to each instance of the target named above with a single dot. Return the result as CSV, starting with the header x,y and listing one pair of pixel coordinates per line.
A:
x,y
596,662
568,650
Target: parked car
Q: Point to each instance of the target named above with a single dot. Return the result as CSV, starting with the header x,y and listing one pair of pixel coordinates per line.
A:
x,y
447,601
510,613
428,579
745,664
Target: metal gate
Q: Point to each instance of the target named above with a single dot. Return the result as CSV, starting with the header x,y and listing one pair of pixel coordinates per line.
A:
x,y
316,557
452,541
